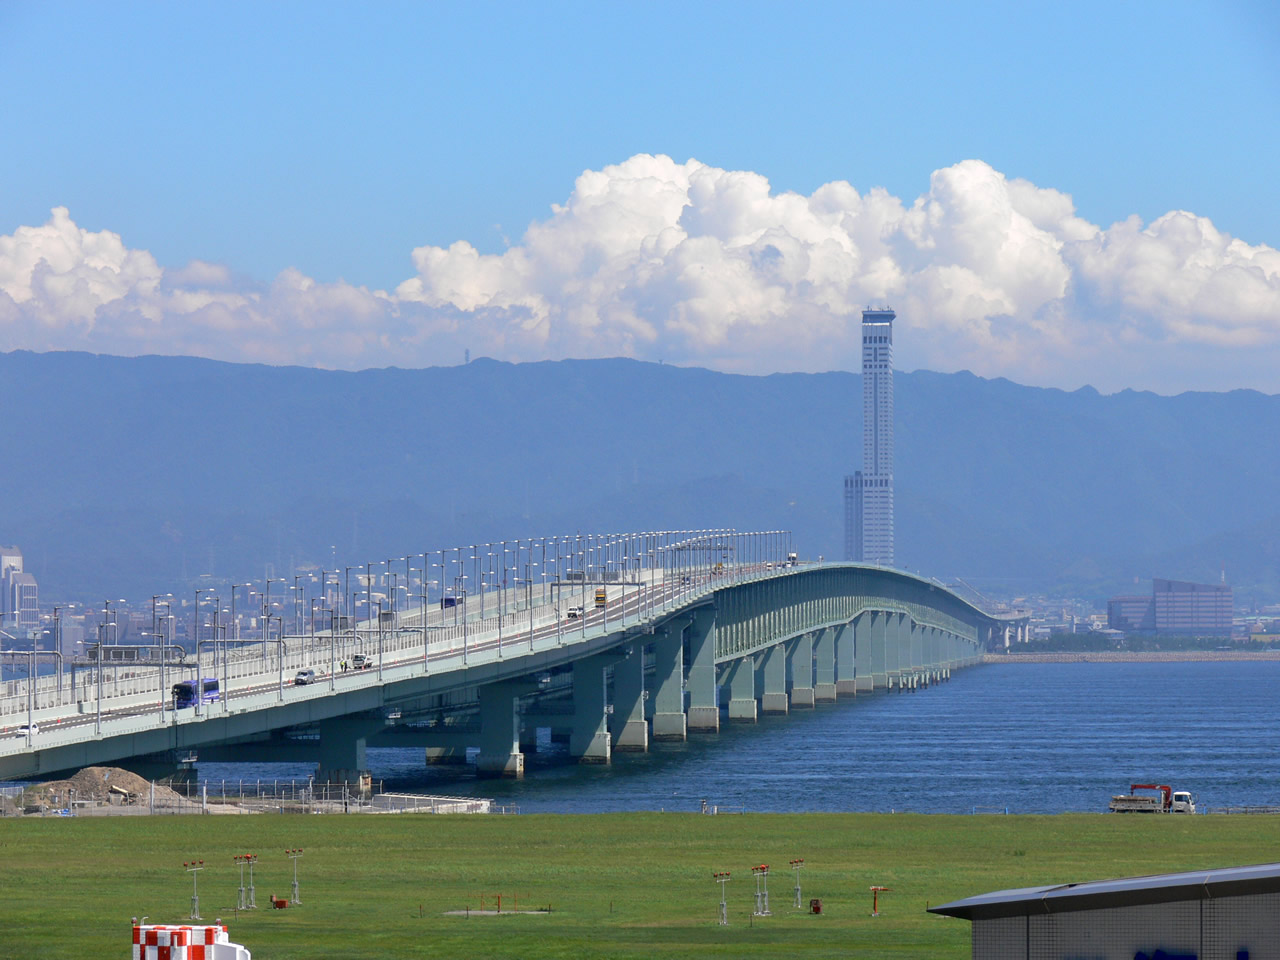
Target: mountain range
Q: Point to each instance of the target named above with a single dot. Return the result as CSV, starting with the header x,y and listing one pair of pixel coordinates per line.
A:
x,y
133,476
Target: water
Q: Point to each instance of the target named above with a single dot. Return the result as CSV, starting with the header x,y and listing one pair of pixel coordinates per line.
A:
x,y
1036,738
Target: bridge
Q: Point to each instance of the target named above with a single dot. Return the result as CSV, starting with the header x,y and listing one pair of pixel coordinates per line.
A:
x,y
615,642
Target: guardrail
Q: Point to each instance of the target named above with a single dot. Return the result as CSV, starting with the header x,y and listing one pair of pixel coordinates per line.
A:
x,y
452,634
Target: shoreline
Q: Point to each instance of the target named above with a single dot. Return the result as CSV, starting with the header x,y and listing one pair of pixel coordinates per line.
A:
x,y
1135,656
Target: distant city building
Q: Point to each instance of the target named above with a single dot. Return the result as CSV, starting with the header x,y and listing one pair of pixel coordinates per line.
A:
x,y
19,595
868,493
26,602
10,563
1175,607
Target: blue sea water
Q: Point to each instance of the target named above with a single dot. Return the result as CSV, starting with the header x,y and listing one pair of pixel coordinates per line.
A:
x,y
1035,738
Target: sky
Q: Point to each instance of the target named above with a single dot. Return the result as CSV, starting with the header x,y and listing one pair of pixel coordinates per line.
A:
x,y
1061,194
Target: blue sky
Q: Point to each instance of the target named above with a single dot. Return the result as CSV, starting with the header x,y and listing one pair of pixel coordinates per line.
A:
x,y
335,140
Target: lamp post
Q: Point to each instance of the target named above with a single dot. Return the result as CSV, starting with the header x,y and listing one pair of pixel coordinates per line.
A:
x,y
155,627
297,603
196,639
528,583
266,613
346,593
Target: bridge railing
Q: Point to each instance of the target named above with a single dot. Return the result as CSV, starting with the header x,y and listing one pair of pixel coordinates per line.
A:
x,y
641,594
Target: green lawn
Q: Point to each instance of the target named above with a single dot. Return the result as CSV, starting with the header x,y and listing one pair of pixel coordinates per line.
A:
x,y
619,885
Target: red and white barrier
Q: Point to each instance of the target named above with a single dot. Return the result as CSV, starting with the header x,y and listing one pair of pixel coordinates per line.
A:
x,y
170,941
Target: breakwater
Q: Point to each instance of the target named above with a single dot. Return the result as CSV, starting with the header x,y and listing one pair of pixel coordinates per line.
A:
x,y
1136,656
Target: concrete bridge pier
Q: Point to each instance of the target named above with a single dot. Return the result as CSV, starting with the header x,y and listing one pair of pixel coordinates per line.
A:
x,y
342,748
704,709
846,664
896,651
800,666
862,674
445,755
500,754
165,767
668,680
879,649
824,661
740,680
627,724
589,739
772,667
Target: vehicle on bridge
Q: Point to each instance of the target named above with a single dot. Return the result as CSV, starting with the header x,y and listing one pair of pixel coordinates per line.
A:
x,y
361,662
601,597
303,677
23,730
1169,801
185,693
575,613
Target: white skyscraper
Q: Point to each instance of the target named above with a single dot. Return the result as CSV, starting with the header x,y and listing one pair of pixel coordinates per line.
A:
x,y
868,494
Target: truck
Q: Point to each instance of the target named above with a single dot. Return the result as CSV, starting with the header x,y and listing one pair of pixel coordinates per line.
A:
x,y
1169,800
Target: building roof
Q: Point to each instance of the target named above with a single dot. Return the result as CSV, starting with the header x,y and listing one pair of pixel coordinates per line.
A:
x,y
1127,892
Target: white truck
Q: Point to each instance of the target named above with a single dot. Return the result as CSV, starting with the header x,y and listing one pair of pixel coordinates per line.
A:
x,y
1168,801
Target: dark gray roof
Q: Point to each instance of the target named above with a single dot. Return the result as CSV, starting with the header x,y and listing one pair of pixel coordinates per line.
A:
x,y
1126,892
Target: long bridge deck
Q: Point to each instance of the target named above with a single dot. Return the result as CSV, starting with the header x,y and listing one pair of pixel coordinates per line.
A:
x,y
669,649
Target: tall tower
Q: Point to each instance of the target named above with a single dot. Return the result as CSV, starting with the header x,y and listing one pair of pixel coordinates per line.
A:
x,y
868,494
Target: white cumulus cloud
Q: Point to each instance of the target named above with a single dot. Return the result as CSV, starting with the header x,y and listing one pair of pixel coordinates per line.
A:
x,y
694,264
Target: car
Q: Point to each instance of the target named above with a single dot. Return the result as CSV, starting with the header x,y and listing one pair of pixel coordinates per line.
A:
x,y
361,662
22,730
575,613
304,677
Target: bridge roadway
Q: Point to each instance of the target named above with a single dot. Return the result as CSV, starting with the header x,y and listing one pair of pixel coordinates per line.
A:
x,y
671,651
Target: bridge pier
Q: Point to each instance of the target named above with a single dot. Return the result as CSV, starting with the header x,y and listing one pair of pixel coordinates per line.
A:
x,y
162,768
863,681
589,739
668,680
879,649
800,664
445,756
894,646
772,667
704,710
342,748
740,680
846,681
500,754
824,657
627,724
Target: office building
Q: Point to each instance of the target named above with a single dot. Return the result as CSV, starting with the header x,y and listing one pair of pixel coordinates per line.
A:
x,y
10,566
19,594
868,496
1175,607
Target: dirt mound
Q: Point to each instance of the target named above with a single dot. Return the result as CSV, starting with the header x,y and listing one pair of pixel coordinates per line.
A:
x,y
95,783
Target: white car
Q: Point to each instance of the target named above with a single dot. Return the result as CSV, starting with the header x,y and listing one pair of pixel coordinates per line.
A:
x,y
575,613
22,730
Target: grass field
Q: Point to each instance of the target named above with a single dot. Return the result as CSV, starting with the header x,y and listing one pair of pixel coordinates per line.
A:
x,y
619,885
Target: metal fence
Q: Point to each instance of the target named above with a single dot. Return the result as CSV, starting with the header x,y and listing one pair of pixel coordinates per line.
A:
x,y
240,797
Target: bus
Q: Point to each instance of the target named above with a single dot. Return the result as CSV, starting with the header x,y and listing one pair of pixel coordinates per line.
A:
x,y
184,694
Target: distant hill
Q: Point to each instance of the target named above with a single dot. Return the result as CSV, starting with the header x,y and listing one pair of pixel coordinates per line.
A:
x,y
126,477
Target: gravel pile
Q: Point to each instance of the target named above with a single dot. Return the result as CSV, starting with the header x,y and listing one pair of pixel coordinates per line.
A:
x,y
95,783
